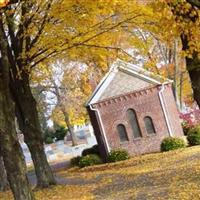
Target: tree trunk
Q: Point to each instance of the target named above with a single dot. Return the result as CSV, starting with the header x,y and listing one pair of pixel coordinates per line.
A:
x,y
176,70
45,177
66,115
70,128
193,60
13,159
193,67
10,148
181,91
29,125
34,141
12,153
26,111
3,176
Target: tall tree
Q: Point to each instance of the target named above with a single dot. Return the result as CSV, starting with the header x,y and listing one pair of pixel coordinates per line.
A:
x,y
70,98
61,103
21,91
188,14
10,148
63,82
183,21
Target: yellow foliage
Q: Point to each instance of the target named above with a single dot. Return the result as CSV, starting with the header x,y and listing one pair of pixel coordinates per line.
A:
x,y
179,18
3,3
72,97
161,176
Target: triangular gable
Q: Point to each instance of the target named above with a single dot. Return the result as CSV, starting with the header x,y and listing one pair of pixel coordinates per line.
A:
x,y
122,78
123,83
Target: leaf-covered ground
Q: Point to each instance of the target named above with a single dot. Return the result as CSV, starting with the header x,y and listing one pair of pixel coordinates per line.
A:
x,y
161,176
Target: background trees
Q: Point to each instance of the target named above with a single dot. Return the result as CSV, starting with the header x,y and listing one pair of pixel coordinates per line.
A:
x,y
92,33
188,21
183,18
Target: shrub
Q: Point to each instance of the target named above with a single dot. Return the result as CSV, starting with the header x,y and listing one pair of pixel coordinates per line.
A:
x,y
89,160
48,136
92,150
118,155
171,143
48,140
75,161
60,133
193,136
51,136
190,120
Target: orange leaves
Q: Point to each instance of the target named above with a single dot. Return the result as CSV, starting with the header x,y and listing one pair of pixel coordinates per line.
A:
x,y
3,3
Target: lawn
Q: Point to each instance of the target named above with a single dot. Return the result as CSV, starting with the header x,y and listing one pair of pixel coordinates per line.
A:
x,y
160,176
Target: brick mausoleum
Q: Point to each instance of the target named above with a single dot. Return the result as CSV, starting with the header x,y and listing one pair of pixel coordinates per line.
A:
x,y
134,110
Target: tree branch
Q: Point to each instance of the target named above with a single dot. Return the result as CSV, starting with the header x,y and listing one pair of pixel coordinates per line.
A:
x,y
195,3
42,25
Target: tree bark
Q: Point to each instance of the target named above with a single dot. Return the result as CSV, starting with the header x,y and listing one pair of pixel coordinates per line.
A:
x,y
181,91
70,128
176,70
10,148
66,115
193,68
26,106
3,176
12,153
30,126
192,61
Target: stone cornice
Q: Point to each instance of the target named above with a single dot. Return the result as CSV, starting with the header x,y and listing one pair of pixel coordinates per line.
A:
x,y
129,95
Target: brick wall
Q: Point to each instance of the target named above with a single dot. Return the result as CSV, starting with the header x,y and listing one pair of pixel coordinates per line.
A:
x,y
145,103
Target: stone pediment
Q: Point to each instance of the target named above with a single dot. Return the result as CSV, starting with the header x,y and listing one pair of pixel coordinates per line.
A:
x,y
123,78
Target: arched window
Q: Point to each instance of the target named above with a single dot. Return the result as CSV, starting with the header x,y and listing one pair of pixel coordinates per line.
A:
x,y
122,132
134,123
149,125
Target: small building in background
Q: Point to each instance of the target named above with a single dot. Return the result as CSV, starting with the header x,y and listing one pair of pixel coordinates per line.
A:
x,y
133,109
